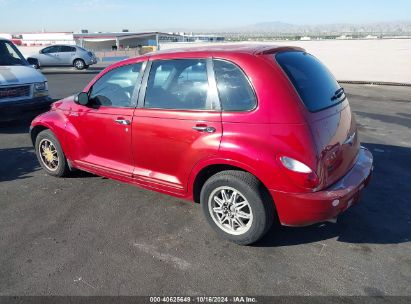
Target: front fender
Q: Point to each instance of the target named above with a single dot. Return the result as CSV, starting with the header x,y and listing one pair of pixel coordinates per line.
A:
x,y
56,122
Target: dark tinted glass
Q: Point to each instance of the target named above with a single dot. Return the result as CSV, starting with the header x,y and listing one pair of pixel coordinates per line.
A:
x,y
235,91
178,84
314,83
51,49
115,88
67,49
9,54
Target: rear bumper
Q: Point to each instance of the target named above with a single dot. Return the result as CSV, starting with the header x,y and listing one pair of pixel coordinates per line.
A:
x,y
14,110
302,209
91,61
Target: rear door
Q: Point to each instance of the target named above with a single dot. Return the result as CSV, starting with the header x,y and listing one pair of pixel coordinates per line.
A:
x,y
177,123
66,55
328,113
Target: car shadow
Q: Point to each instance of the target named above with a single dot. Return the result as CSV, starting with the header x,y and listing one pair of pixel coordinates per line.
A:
x,y
15,126
383,215
21,162
17,163
22,123
81,174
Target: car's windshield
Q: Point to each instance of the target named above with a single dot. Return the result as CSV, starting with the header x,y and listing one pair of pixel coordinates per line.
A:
x,y
10,55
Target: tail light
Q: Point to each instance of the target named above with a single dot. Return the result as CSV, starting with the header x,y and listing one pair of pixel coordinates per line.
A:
x,y
300,173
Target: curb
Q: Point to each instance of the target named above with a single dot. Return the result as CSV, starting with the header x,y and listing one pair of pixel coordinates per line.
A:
x,y
380,83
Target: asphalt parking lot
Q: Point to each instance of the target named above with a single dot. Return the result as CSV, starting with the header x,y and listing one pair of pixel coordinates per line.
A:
x,y
87,235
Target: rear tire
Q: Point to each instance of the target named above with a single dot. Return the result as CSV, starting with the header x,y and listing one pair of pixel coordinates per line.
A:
x,y
237,206
50,155
79,64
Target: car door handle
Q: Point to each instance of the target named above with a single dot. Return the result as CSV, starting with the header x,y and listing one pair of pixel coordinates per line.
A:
x,y
124,122
205,129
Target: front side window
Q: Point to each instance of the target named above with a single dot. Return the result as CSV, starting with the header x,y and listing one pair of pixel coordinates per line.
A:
x,y
116,87
234,88
51,49
9,55
178,84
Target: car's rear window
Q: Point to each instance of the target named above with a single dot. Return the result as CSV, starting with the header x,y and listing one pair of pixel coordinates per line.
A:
x,y
314,83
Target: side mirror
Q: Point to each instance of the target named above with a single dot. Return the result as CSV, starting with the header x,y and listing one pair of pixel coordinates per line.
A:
x,y
34,62
82,99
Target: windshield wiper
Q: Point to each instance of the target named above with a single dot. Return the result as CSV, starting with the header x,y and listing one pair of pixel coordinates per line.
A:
x,y
338,94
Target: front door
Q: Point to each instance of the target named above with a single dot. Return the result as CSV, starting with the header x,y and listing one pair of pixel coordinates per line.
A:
x,y
104,127
177,123
50,56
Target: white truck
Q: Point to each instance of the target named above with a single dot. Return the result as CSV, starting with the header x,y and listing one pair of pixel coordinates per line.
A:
x,y
23,89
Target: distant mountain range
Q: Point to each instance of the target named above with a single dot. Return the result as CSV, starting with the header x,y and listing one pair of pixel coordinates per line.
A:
x,y
280,27
287,28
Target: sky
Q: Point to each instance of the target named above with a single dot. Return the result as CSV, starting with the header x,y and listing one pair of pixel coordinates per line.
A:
x,y
168,15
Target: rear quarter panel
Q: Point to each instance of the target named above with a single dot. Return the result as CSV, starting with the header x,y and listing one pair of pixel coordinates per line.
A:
x,y
276,127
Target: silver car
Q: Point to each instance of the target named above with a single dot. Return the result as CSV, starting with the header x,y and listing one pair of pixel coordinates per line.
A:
x,y
65,55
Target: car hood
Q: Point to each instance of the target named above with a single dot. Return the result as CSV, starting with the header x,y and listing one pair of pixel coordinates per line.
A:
x,y
19,74
65,104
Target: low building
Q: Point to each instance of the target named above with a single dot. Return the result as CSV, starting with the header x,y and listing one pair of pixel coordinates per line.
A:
x,y
47,38
98,41
123,40
371,37
6,36
343,37
203,38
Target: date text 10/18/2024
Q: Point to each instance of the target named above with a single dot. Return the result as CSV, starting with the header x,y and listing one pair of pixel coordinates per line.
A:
x,y
203,299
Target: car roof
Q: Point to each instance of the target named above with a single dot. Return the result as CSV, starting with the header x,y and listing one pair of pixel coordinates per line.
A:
x,y
253,49
72,45
223,49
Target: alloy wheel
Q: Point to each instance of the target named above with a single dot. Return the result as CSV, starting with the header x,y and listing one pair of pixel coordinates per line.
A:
x,y
230,210
79,64
48,155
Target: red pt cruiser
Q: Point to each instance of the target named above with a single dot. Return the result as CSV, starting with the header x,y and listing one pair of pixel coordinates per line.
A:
x,y
250,132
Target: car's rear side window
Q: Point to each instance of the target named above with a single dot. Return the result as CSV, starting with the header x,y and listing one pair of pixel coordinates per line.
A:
x,y
314,83
180,84
234,88
67,49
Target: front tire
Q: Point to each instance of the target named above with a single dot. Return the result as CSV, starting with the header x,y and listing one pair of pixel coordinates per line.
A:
x,y
237,206
79,64
50,155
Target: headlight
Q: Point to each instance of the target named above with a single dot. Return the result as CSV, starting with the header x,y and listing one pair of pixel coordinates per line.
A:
x,y
40,86
41,89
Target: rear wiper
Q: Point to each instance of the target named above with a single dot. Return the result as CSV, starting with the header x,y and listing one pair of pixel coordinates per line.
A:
x,y
338,94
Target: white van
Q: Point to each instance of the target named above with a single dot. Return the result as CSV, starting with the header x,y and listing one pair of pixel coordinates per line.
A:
x,y
23,89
